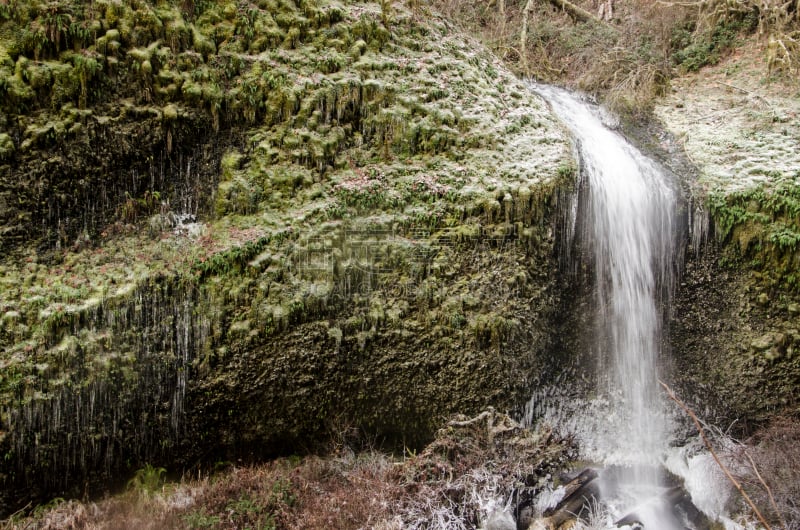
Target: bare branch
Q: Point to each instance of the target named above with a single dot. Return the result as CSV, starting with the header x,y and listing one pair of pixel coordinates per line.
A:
x,y
576,11
486,413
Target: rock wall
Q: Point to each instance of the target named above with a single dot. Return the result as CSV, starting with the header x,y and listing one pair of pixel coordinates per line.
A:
x,y
735,321
233,228
735,338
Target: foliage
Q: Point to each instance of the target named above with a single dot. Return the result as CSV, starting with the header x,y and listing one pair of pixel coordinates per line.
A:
x,y
132,209
762,205
696,49
232,260
147,480
199,519
764,223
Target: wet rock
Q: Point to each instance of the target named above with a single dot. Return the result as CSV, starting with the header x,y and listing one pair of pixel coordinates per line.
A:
x,y
525,518
745,366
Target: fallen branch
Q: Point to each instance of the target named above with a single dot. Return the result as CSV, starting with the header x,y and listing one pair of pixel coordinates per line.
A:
x,y
751,93
486,413
580,492
576,11
11,517
722,466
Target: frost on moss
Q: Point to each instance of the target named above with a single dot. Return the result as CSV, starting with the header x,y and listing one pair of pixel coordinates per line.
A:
x,y
742,133
379,191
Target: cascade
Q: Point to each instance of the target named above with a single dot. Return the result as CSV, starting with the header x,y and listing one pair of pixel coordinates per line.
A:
x,y
626,222
624,225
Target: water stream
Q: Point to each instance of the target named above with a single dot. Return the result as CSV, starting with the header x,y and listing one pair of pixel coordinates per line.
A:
x,y
625,225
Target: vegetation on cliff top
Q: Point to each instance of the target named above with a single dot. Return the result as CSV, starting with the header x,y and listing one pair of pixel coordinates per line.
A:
x,y
627,52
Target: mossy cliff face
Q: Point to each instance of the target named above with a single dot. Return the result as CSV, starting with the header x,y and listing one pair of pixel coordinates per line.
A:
x,y
735,329
372,244
81,124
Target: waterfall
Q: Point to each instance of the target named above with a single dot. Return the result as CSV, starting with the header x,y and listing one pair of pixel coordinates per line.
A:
x,y
625,230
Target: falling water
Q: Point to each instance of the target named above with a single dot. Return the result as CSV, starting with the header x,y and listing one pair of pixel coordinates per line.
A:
x,y
625,226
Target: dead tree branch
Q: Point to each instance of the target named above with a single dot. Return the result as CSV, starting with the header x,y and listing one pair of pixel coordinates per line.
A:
x,y
488,413
523,37
575,11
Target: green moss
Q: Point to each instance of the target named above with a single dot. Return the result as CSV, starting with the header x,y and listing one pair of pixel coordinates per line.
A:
x,y
343,207
170,113
202,44
764,223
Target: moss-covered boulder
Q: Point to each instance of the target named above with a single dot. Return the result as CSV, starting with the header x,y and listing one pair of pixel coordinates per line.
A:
x,y
230,227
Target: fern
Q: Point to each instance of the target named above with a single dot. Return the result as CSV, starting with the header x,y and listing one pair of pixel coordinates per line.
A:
x,y
147,480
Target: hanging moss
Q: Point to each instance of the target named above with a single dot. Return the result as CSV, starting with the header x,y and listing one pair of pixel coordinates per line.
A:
x,y
210,195
6,146
763,224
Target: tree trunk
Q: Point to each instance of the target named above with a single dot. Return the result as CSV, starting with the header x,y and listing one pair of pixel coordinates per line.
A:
x,y
575,11
523,38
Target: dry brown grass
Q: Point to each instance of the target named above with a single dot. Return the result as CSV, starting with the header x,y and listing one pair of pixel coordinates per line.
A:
x,y
627,59
775,453
451,484
630,60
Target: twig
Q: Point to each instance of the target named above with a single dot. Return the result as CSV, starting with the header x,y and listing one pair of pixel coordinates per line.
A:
x,y
679,4
722,466
767,488
11,517
740,89
488,412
